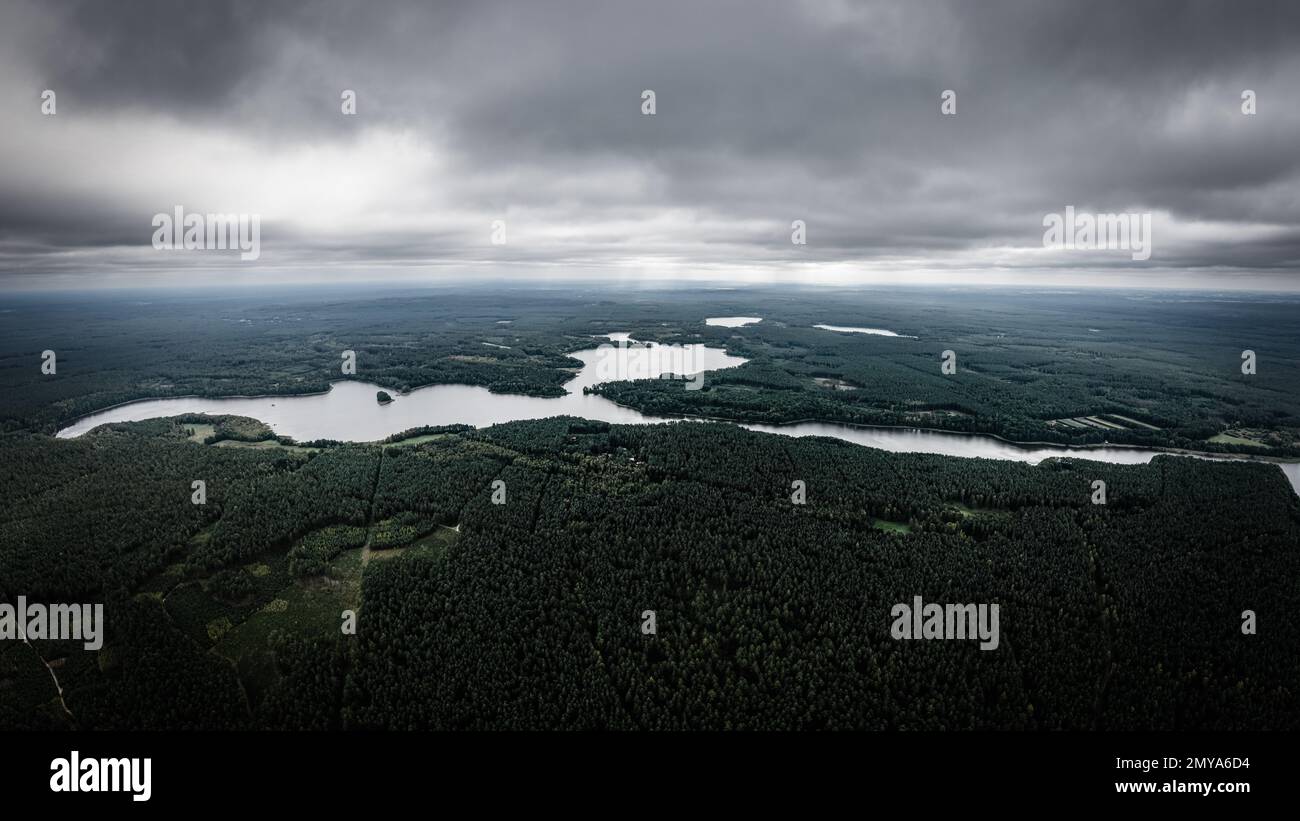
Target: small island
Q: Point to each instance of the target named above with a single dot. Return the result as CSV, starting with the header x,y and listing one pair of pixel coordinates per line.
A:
x,y
383,398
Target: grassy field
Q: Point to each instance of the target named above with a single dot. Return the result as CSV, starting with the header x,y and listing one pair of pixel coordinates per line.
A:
x,y
201,431
891,527
265,444
1229,439
417,440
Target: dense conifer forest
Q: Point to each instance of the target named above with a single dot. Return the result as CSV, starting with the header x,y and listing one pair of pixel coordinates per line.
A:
x,y
529,613
565,573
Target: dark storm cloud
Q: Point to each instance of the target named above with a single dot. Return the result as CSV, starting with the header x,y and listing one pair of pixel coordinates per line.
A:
x,y
824,111
156,53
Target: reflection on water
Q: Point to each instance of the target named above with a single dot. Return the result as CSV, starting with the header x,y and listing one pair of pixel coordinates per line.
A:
x,y
349,412
911,440
1292,471
847,329
732,321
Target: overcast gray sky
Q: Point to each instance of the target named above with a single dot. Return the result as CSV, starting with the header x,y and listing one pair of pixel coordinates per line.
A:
x,y
826,111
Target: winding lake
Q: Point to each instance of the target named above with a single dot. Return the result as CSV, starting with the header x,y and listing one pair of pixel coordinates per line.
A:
x,y
846,329
349,412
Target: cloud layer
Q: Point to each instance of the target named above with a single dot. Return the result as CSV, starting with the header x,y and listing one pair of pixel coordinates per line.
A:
x,y
825,111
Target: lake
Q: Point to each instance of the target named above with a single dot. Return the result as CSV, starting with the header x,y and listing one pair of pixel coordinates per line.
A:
x,y
349,412
912,440
846,329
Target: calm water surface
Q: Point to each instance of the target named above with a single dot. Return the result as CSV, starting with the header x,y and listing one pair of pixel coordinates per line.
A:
x,y
846,329
349,412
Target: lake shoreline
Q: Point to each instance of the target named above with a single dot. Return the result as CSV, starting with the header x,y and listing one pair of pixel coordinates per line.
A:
x,y
340,413
1024,445
65,424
